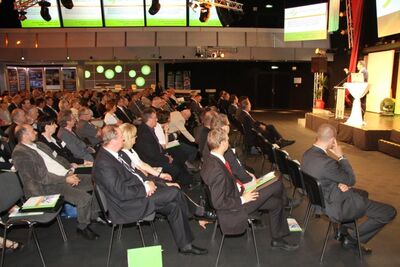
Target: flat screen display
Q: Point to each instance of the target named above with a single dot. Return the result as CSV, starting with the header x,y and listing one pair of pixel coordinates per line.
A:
x,y
170,13
123,13
388,16
194,17
85,13
334,10
305,23
35,20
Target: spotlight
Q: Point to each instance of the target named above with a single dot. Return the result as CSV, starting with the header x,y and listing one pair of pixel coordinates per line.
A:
x,y
342,14
44,10
343,32
155,7
22,58
67,4
221,54
204,12
213,54
67,57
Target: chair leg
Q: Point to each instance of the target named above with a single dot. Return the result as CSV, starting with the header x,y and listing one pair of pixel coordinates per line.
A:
x,y
306,217
61,226
255,243
141,233
110,245
214,231
358,241
220,249
3,254
325,242
120,231
155,236
37,244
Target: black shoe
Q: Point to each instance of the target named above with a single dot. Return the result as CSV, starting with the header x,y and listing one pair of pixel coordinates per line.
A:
x,y
283,244
191,249
87,233
350,243
154,8
340,235
100,220
283,142
209,215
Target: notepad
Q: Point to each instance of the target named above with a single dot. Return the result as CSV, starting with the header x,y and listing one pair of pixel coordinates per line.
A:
x,y
40,203
261,182
173,144
145,257
294,225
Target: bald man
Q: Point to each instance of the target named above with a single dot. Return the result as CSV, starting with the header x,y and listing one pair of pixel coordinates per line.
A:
x,y
337,179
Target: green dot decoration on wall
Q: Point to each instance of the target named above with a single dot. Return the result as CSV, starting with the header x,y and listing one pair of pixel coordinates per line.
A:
x,y
118,69
132,73
100,69
109,74
140,81
146,70
87,74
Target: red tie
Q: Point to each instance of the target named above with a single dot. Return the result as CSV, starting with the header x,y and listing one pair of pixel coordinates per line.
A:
x,y
236,180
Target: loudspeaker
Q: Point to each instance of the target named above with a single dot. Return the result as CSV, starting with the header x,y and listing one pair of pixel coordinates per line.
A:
x,y
319,64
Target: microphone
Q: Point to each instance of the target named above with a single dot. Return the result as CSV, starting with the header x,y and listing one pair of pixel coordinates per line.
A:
x,y
345,78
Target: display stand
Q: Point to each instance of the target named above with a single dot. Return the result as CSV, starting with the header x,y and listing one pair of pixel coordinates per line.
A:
x,y
357,90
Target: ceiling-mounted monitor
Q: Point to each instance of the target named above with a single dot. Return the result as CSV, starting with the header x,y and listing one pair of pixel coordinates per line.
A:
x,y
35,20
85,13
203,16
388,16
306,23
166,12
123,13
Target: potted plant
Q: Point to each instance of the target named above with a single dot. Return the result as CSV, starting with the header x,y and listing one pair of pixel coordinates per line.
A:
x,y
321,84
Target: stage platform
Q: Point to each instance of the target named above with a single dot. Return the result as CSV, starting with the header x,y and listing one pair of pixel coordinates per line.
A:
x,y
365,137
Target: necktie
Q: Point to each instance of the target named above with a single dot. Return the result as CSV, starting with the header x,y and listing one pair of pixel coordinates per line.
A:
x,y
238,182
129,168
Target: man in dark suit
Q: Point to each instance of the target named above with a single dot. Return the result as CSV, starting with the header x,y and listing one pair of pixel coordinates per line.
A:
x,y
122,112
15,103
49,107
337,179
150,150
18,117
42,173
130,196
232,204
268,131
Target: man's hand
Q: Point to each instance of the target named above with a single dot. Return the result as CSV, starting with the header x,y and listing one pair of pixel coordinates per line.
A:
x,y
88,163
262,127
343,187
166,176
253,177
170,159
152,188
346,70
74,165
249,196
72,179
336,149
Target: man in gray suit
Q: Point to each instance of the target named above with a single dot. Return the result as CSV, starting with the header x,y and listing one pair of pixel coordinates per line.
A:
x,y
43,173
85,129
337,179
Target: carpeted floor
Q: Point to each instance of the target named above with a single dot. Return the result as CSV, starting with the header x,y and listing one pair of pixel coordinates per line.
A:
x,y
376,172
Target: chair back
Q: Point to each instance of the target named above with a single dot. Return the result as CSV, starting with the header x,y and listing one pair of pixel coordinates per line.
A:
x,y
314,190
295,174
101,199
266,148
281,158
10,190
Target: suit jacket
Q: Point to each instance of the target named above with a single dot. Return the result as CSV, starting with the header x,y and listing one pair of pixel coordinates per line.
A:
x,y
177,123
225,196
124,115
88,131
78,148
33,171
232,109
330,173
125,193
50,111
136,108
148,147
11,107
60,150
195,107
10,132
201,134
248,123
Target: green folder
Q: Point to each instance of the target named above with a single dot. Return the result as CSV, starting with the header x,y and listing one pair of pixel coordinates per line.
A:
x,y
145,257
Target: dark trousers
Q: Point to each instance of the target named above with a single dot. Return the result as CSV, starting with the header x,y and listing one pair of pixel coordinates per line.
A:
x,y
271,133
178,173
170,201
379,214
271,199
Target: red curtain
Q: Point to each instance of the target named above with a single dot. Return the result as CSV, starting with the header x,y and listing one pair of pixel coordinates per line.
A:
x,y
357,7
